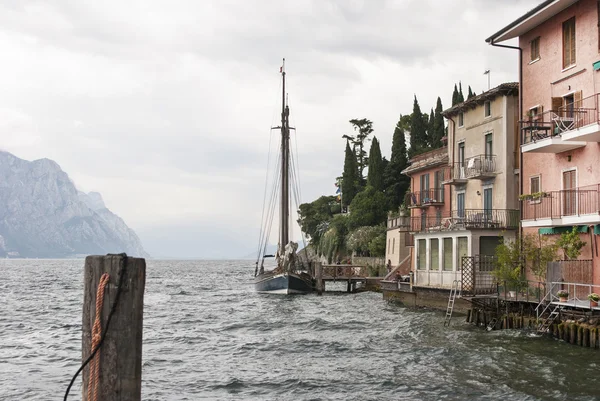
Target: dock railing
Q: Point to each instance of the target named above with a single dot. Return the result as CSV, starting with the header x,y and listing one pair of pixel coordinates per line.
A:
x,y
577,296
344,271
522,290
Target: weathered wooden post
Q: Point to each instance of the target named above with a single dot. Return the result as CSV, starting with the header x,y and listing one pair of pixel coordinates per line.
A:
x,y
319,277
119,373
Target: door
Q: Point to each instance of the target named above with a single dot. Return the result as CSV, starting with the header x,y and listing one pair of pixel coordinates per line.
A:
x,y
487,204
461,160
460,204
425,196
569,197
488,162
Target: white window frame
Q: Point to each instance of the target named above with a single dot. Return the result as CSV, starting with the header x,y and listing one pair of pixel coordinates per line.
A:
x,y
539,177
461,116
485,109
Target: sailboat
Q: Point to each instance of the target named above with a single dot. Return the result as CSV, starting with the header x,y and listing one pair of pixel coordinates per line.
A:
x,y
287,276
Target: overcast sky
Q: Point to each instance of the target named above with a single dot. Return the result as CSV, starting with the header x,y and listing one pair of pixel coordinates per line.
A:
x,y
164,107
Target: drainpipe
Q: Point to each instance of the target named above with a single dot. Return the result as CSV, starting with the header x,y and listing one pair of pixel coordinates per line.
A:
x,y
521,179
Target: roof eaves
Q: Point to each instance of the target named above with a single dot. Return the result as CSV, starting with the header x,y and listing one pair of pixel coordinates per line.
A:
x,y
516,22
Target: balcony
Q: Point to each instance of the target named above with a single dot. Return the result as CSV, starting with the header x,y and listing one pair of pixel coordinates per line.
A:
x,y
480,167
425,198
566,128
565,207
468,219
399,222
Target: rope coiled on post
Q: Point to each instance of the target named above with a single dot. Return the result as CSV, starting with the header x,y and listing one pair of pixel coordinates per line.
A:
x,y
94,375
103,335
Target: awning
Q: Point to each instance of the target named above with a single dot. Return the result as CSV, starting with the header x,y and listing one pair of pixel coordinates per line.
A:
x,y
597,229
564,229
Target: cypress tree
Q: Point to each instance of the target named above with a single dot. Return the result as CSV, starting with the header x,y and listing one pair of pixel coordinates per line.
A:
x,y
438,125
455,96
471,94
364,128
430,133
418,130
349,177
461,97
375,173
396,184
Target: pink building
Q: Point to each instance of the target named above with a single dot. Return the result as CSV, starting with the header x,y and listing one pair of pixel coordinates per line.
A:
x,y
560,124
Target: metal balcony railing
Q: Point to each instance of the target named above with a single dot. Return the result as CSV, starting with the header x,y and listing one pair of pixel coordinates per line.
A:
x,y
426,197
468,219
557,204
479,166
555,122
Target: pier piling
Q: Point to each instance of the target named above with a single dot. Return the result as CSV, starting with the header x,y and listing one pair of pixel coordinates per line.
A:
x,y
119,367
319,277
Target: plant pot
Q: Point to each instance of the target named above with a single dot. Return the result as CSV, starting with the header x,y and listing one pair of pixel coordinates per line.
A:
x,y
593,304
564,299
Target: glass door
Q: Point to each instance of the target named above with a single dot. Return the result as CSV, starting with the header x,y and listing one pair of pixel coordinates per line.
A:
x,y
487,204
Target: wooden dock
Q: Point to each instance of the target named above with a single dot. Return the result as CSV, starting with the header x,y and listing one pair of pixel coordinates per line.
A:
x,y
353,275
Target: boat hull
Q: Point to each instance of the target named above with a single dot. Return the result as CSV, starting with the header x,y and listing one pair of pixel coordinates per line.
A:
x,y
282,283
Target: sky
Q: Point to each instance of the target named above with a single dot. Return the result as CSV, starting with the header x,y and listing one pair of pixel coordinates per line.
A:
x,y
165,107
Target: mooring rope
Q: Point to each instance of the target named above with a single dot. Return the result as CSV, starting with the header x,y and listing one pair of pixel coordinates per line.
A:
x,y
103,336
94,374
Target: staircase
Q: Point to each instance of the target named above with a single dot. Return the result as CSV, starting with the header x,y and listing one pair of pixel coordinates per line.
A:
x,y
454,292
545,325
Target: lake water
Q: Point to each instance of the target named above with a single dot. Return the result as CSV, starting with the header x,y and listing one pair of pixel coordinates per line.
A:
x,y
208,336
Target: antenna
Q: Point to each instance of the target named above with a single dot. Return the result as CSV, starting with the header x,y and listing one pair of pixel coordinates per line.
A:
x,y
487,72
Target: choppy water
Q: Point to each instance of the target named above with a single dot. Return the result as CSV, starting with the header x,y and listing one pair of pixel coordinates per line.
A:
x,y
208,336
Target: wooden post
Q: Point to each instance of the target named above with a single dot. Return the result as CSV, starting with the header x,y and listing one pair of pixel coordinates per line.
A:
x,y
468,315
120,366
593,337
586,337
319,277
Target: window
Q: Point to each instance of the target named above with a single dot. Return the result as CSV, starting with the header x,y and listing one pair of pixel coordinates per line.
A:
x,y
534,184
393,245
435,254
487,202
425,182
535,49
488,146
437,185
569,43
421,255
461,121
487,106
461,153
447,266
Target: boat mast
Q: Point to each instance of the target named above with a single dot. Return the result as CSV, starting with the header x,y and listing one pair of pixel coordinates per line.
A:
x,y
284,212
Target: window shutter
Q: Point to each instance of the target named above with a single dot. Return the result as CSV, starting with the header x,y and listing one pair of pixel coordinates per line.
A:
x,y
556,104
572,60
577,97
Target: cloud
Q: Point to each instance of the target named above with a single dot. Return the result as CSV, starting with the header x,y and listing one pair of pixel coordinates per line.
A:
x,y
166,107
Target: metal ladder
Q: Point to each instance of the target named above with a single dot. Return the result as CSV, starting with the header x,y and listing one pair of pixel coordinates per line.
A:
x,y
456,288
545,325
492,324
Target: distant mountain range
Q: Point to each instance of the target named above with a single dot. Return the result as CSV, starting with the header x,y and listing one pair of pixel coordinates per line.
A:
x,y
43,215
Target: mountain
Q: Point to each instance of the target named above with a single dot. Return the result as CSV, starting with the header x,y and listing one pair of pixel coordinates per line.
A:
x,y
43,215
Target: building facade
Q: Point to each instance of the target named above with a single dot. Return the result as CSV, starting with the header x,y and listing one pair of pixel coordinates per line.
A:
x,y
480,187
559,128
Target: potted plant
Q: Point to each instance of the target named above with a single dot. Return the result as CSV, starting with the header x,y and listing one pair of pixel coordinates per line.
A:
x,y
563,295
594,298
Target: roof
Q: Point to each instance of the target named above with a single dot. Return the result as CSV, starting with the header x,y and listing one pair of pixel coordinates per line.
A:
x,y
423,161
543,12
505,89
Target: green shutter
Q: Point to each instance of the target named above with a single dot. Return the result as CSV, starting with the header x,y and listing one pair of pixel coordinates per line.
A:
x,y
563,229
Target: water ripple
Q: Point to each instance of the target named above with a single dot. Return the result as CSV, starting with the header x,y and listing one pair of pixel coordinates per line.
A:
x,y
208,336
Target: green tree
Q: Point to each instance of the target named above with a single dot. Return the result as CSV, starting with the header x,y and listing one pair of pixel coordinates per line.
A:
x,y
461,97
430,125
438,126
333,243
363,128
471,94
313,217
377,244
455,96
359,240
570,243
375,173
368,208
418,130
395,182
350,183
